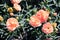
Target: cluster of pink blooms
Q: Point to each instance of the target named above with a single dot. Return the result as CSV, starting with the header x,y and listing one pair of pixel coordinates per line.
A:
x,y
36,20
16,4
40,17
13,23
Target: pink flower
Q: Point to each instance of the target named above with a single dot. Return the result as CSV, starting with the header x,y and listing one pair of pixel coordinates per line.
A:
x,y
15,1
42,15
17,7
47,28
12,24
34,21
48,39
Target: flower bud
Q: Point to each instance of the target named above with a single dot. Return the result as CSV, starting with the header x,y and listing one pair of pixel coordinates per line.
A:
x,y
1,18
55,14
11,14
54,25
10,9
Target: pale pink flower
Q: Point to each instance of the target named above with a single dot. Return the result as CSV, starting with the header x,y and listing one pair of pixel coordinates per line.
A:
x,y
17,7
15,1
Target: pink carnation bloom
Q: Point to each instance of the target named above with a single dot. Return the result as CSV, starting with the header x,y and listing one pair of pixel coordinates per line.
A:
x,y
12,24
15,1
47,28
48,39
42,15
34,21
17,7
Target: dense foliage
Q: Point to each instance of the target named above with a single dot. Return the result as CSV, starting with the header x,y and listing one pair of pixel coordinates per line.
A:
x,y
28,8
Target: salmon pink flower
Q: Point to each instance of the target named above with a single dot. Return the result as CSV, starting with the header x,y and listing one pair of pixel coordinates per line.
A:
x,y
48,39
17,7
47,28
12,24
34,21
42,15
15,1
